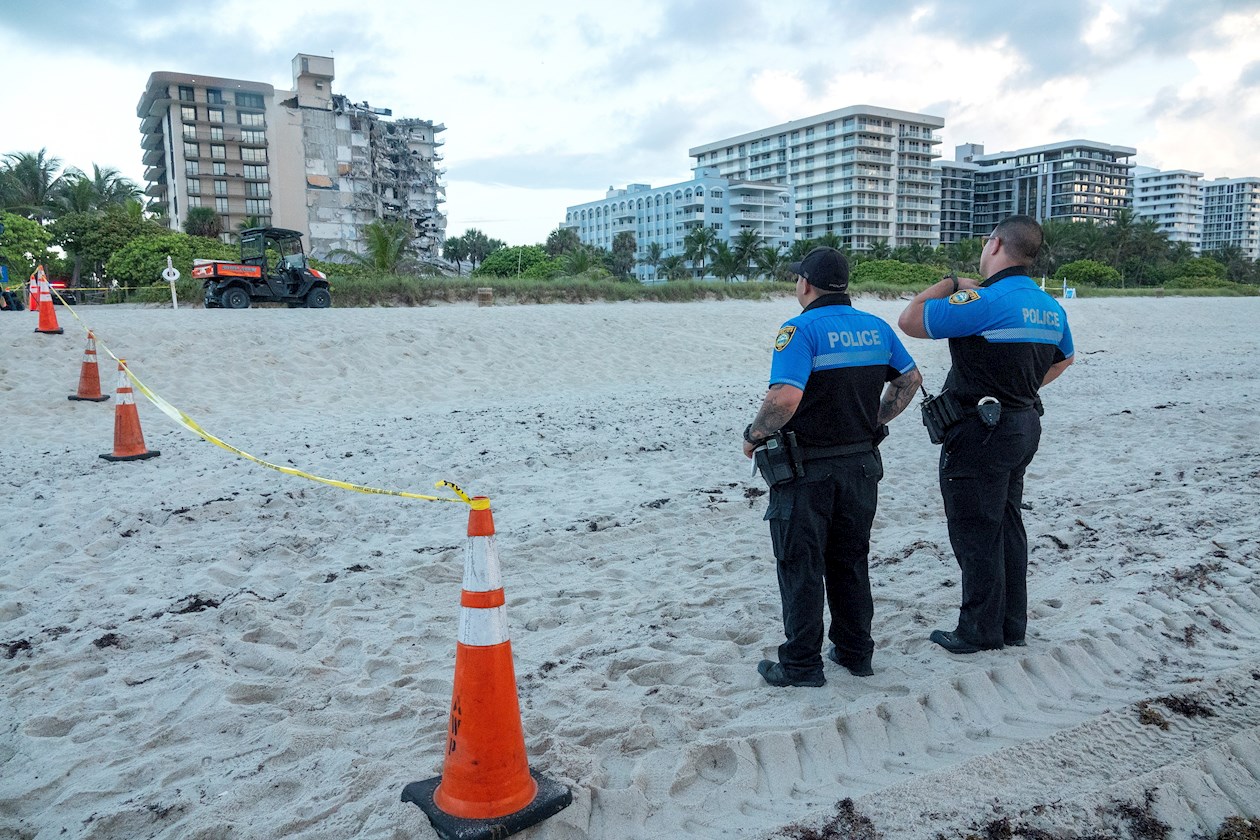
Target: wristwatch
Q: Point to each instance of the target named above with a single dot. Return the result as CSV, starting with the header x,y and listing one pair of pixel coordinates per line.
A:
x,y
749,438
955,279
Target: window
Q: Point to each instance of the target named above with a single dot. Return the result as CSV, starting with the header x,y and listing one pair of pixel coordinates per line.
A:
x,y
192,150
194,201
253,136
249,100
219,168
218,151
260,173
220,204
216,134
255,155
188,113
194,186
185,94
216,115
192,167
257,206
190,132
220,187
250,119
214,97
258,189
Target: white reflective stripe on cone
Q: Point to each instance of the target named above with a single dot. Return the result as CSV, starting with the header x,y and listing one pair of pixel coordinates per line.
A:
x,y
124,394
481,565
483,627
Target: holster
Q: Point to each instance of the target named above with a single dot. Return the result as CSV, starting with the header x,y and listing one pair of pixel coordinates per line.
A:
x,y
939,414
779,459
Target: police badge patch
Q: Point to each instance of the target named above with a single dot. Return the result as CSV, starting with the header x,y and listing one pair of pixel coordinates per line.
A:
x,y
964,296
785,335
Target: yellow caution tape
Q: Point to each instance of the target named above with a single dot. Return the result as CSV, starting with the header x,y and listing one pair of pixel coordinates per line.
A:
x,y
193,426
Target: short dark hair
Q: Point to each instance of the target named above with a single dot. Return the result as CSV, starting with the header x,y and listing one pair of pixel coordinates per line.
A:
x,y
1022,235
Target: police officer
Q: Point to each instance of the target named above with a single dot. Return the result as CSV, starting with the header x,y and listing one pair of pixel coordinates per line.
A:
x,y
1007,339
829,368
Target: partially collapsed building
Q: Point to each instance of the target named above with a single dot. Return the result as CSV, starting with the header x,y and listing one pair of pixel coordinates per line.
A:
x,y
305,159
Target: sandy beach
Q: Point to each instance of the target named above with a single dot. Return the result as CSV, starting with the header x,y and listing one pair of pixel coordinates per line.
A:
x,y
195,646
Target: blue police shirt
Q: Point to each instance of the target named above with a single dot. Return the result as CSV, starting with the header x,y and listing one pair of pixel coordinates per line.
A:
x,y
840,357
1003,337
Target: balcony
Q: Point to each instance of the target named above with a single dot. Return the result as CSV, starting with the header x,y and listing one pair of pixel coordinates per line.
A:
x,y
869,128
154,102
155,174
153,157
865,157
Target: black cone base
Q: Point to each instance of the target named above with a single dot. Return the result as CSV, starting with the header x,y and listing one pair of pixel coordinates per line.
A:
x,y
87,399
152,453
552,798
57,331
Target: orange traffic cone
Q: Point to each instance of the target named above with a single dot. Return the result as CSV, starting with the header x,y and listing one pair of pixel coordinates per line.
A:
x,y
32,297
128,439
89,375
47,315
486,788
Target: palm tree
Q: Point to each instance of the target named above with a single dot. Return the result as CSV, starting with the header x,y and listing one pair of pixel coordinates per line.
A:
x,y
455,250
799,249
29,183
674,267
746,244
249,223
829,240
580,261
561,240
698,247
771,262
203,221
652,257
386,245
725,264
879,250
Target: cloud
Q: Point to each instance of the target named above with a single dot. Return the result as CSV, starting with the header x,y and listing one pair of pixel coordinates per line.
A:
x,y
1250,75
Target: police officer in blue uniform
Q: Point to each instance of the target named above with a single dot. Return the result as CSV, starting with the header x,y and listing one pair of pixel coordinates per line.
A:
x,y
1007,339
838,376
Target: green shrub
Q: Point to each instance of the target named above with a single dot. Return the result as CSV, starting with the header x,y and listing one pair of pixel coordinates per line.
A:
x,y
1088,273
896,273
141,261
509,262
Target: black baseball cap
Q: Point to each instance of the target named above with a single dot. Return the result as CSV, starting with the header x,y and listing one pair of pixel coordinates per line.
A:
x,y
824,268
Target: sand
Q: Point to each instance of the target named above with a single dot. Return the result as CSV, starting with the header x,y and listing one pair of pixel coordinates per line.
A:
x,y
198,647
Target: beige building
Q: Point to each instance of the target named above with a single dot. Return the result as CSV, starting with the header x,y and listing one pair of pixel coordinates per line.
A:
x,y
305,159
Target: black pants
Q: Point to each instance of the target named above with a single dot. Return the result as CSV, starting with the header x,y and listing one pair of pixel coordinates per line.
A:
x,y
982,483
820,527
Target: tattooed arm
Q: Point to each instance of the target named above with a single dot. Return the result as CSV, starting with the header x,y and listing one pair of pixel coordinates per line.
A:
x,y
776,409
898,395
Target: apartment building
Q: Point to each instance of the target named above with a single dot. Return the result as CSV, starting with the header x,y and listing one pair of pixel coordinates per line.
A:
x,y
1073,180
958,192
305,159
1231,215
1173,199
862,173
665,215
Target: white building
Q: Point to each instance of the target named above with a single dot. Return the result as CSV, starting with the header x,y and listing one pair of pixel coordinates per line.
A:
x,y
1173,199
958,193
862,173
1231,215
1072,181
305,159
666,215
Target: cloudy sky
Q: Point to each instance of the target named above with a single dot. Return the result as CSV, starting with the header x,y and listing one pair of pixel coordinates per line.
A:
x,y
547,104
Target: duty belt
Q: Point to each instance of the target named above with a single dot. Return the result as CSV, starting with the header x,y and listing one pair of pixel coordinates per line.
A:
x,y
813,453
